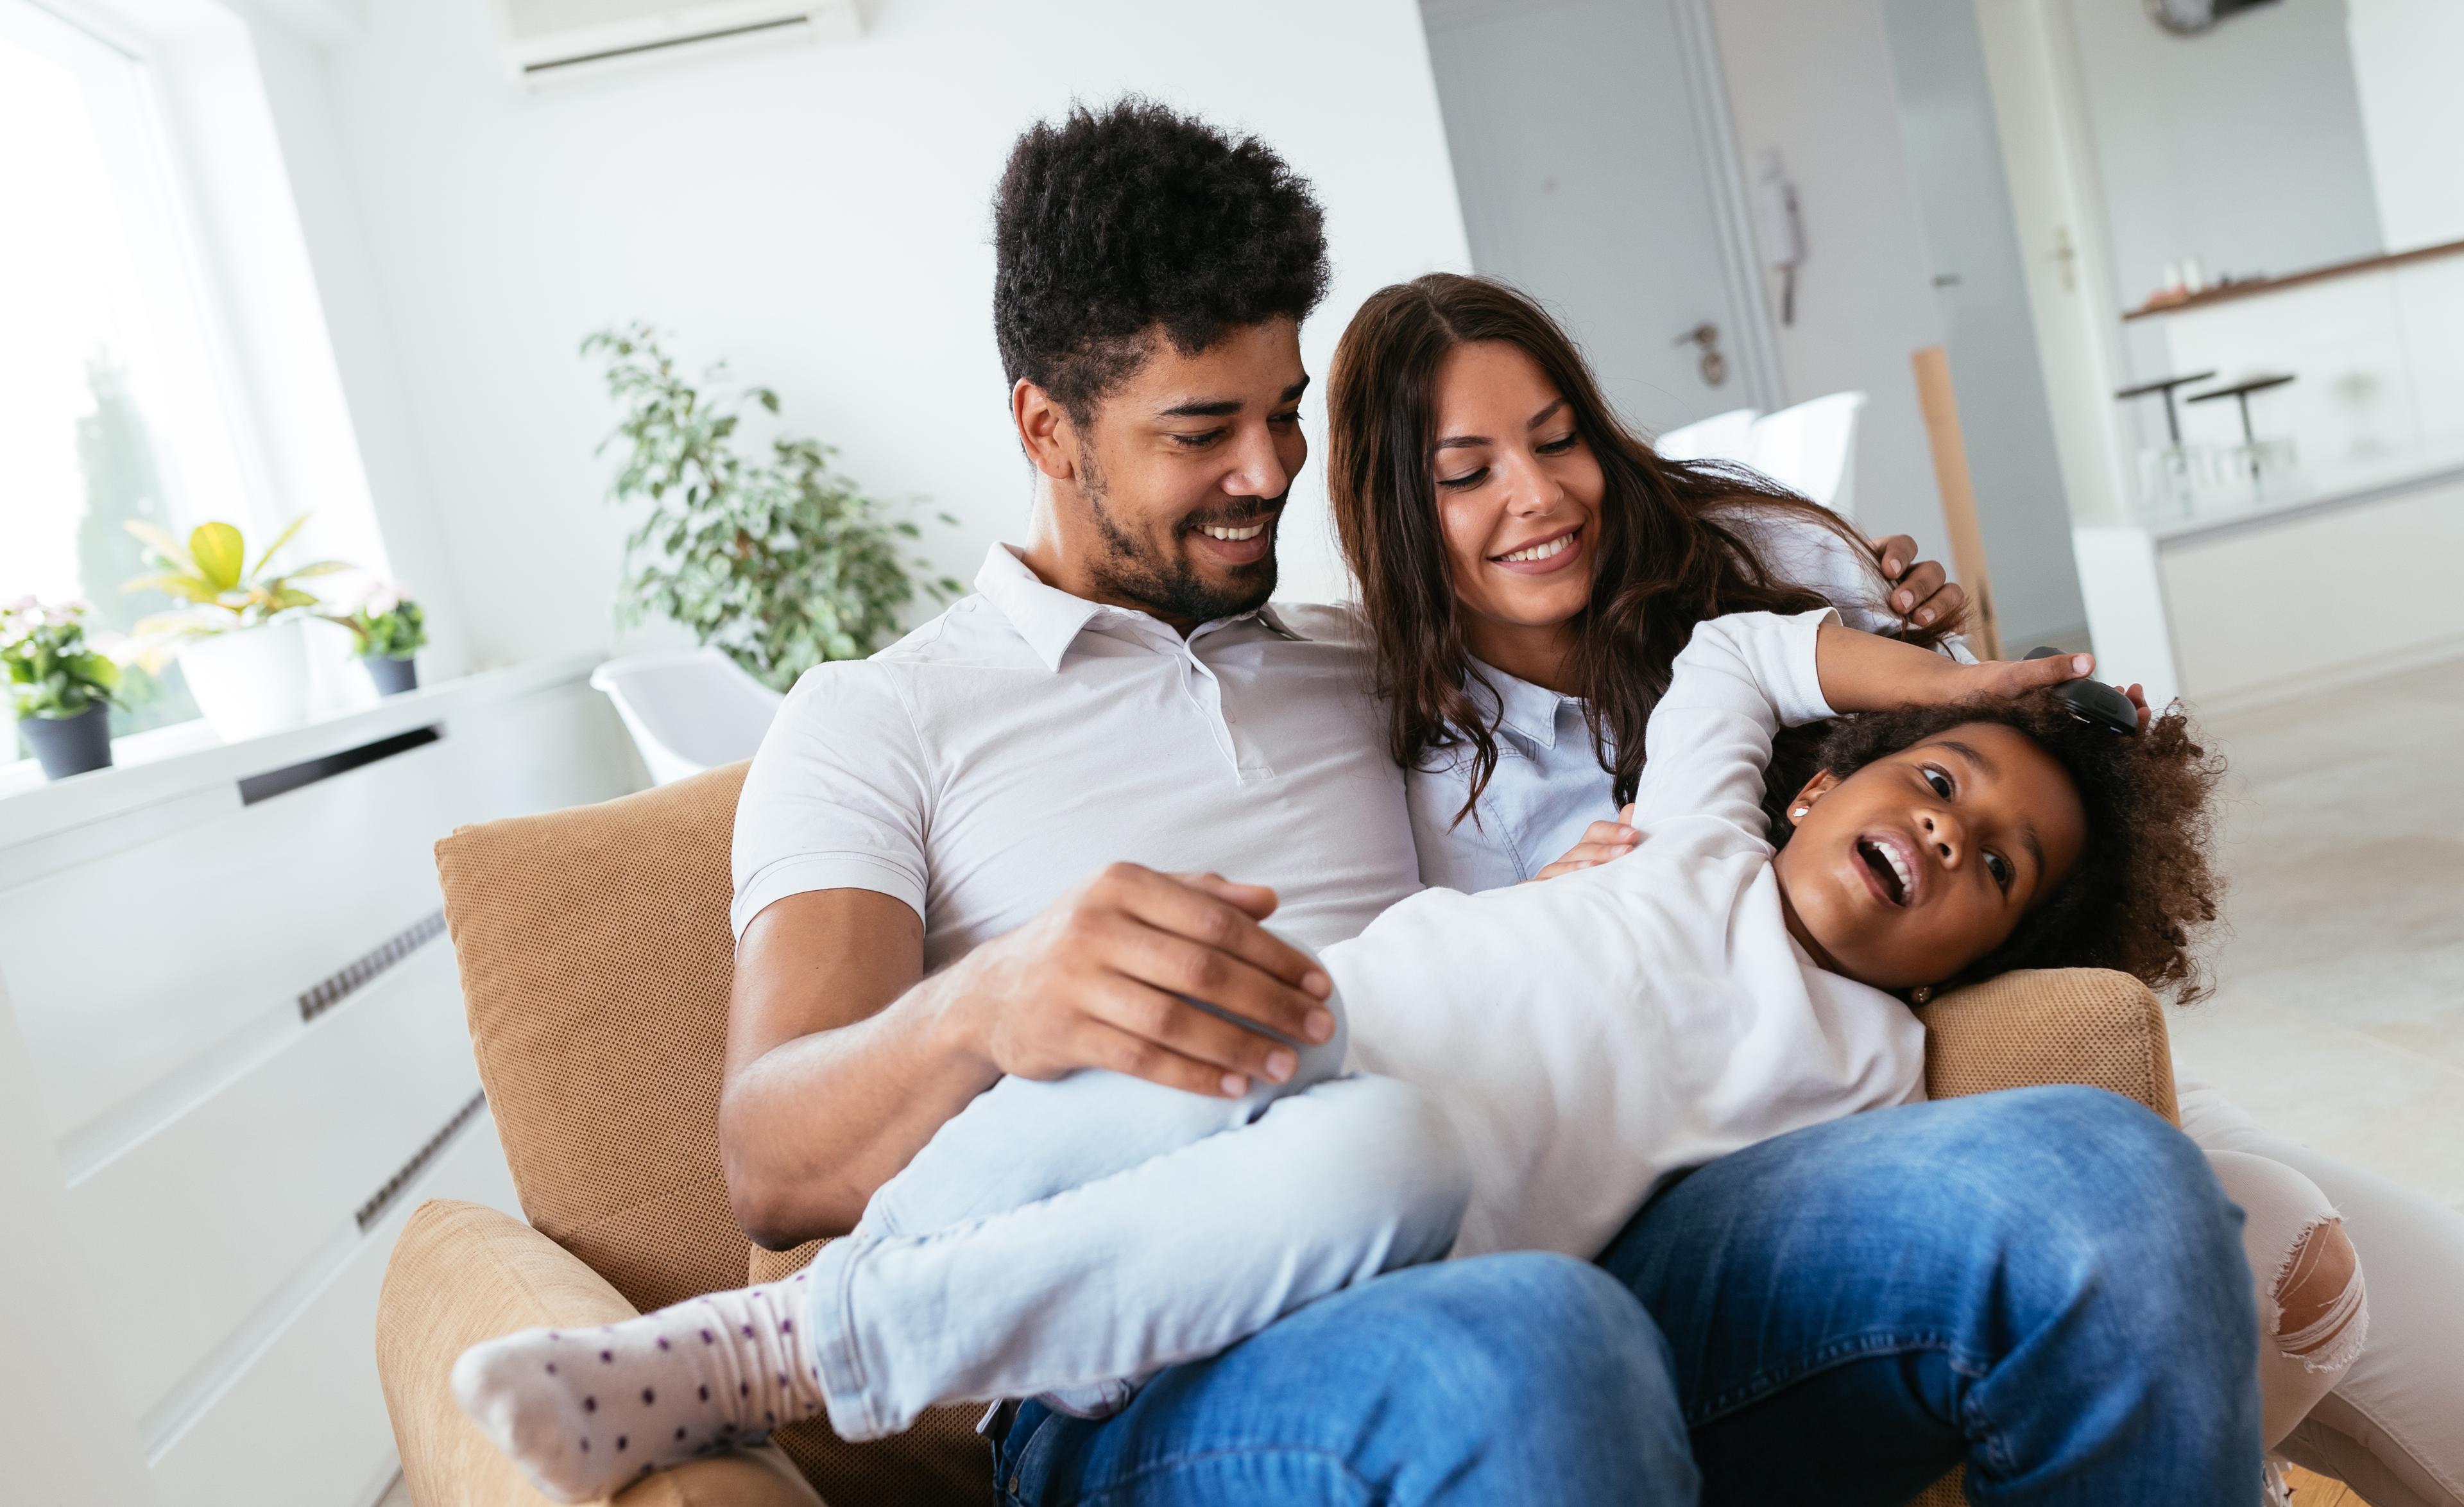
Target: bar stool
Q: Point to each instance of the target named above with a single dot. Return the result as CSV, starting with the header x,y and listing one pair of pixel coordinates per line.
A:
x,y
2166,472
2273,451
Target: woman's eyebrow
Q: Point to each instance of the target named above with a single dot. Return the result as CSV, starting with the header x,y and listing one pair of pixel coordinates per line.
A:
x,y
1467,441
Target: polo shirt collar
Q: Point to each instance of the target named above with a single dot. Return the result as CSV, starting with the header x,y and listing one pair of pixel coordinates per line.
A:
x,y
1051,619
1528,710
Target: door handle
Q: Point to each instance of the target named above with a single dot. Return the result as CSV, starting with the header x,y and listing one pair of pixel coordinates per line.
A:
x,y
1713,366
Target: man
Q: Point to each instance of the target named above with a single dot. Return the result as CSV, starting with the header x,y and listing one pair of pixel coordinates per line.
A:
x,y
994,848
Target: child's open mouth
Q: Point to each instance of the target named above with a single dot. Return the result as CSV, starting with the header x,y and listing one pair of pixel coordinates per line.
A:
x,y
1887,869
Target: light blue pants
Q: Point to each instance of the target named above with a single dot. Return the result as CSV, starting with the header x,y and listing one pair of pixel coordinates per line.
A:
x,y
1053,1235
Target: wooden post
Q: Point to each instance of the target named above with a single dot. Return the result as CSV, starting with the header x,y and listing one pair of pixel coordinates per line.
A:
x,y
1941,407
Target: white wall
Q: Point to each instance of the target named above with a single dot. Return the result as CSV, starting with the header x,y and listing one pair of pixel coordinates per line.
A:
x,y
2242,146
818,217
2405,54
1813,83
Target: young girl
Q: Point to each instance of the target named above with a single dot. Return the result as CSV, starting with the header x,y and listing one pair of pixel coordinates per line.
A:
x,y
1530,1064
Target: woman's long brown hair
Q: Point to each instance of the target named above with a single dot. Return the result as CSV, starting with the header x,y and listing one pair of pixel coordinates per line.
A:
x,y
1663,561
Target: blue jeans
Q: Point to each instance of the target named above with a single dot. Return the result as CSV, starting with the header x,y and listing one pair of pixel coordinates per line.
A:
x,y
2046,1285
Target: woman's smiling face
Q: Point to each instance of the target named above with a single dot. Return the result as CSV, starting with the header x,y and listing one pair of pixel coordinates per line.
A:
x,y
1519,494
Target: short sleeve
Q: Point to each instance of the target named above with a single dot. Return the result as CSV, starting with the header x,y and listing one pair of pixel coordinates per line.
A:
x,y
838,795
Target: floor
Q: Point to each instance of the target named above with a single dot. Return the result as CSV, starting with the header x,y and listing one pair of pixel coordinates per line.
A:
x,y
2339,1015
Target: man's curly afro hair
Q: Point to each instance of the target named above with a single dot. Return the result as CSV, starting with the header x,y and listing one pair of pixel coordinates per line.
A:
x,y
1120,220
2146,885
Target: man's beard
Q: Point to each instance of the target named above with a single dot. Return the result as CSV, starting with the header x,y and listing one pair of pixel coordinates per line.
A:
x,y
1167,586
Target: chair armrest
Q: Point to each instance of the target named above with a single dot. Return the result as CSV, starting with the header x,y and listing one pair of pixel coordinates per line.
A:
x,y
463,1272
2038,1026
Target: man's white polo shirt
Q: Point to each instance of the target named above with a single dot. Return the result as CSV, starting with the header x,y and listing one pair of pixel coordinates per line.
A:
x,y
1010,749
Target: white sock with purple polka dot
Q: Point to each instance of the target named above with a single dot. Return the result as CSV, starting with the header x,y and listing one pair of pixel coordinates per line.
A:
x,y
588,1412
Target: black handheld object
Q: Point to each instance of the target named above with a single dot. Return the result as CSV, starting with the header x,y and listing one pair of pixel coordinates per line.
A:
x,y
2095,703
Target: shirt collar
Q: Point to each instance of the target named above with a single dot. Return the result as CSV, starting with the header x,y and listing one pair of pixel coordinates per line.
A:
x,y
1051,619
1527,709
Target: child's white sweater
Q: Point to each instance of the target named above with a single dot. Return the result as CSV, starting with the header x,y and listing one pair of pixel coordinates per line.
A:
x,y
1593,1034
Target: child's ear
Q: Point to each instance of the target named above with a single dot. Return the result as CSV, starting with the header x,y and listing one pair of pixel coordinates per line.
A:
x,y
1824,783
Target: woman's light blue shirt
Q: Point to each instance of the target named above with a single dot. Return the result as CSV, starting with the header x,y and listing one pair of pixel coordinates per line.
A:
x,y
1548,785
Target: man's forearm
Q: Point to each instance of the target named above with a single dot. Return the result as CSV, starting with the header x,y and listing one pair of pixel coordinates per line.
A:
x,y
811,1128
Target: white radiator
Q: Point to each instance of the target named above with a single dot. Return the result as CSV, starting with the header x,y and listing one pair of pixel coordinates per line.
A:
x,y
226,988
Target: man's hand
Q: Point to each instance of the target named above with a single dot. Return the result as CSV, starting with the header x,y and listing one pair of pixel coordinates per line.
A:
x,y
1601,842
1096,980
1921,592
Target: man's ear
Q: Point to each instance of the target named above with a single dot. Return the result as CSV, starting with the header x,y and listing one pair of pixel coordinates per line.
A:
x,y
1044,430
1824,783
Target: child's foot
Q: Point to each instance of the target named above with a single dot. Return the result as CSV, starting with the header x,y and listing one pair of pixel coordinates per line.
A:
x,y
588,1412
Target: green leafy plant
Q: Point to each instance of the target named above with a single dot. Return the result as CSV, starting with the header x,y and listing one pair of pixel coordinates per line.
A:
x,y
775,557
53,670
212,572
387,623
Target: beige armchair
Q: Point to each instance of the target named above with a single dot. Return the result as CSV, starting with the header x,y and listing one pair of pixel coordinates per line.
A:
x,y
595,955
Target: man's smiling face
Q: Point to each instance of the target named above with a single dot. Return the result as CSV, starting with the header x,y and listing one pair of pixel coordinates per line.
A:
x,y
1180,476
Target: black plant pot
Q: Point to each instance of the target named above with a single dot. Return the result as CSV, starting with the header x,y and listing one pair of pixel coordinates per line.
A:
x,y
67,746
392,677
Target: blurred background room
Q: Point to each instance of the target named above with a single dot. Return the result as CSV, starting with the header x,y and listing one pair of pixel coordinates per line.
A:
x,y
364,445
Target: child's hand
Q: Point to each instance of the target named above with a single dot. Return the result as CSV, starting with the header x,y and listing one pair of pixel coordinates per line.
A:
x,y
1601,842
2012,676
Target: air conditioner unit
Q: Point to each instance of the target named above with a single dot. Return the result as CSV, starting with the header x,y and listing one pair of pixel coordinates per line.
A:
x,y
556,39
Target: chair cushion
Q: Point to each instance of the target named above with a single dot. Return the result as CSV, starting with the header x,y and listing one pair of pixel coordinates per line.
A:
x,y
2038,1026
596,955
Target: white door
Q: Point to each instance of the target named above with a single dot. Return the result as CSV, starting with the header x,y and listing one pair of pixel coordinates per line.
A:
x,y
1591,155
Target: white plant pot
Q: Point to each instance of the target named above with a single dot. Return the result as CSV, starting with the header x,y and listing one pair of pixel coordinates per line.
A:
x,y
251,681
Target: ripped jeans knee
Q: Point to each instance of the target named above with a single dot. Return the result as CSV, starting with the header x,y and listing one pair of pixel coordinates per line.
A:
x,y
2313,1305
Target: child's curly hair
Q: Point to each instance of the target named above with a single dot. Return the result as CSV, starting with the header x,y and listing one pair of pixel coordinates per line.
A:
x,y
2144,884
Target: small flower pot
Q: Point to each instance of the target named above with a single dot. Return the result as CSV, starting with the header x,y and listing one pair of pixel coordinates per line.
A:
x,y
67,746
392,677
251,681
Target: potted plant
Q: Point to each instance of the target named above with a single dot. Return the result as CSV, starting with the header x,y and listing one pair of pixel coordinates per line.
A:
x,y
774,559
240,640
60,686
391,629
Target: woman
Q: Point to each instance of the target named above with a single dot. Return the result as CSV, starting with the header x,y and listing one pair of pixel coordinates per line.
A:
x,y
1528,569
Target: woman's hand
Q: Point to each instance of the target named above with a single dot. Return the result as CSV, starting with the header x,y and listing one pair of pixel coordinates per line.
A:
x,y
1922,591
1601,842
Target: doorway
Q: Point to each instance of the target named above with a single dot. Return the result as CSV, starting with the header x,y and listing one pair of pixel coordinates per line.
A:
x,y
1591,155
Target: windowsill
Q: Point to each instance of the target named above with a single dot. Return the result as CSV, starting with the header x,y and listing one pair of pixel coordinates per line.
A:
x,y
168,762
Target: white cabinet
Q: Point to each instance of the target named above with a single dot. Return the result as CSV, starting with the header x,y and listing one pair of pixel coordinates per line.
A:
x,y
234,1034
2246,607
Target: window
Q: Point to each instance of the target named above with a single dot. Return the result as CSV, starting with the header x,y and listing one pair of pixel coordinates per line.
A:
x,y
112,403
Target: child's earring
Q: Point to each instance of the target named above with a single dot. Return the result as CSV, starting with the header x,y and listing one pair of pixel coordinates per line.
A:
x,y
1920,993
1798,814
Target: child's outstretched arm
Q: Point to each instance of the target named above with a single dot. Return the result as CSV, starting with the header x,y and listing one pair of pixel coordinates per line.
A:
x,y
1744,676
1866,672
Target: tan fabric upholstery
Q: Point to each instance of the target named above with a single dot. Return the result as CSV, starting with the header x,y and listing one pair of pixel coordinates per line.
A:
x,y
463,1272
595,955
2051,1025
